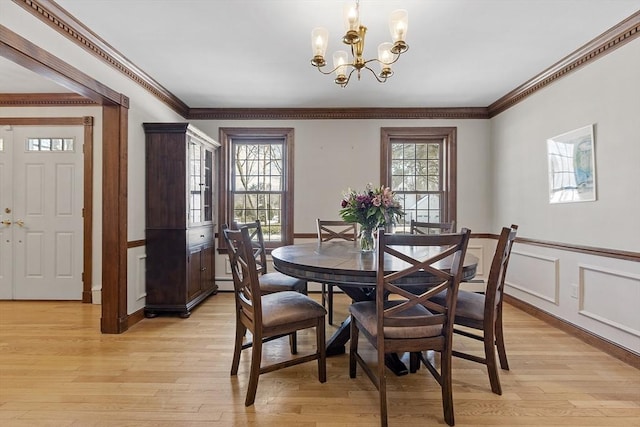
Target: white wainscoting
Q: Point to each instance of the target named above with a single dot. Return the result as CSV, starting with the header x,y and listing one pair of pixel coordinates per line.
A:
x,y
534,274
597,284
596,293
136,288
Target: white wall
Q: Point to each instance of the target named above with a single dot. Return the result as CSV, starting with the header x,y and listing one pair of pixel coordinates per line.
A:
x,y
605,93
597,293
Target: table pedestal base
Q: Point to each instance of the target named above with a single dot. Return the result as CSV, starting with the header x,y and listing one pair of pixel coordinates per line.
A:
x,y
336,346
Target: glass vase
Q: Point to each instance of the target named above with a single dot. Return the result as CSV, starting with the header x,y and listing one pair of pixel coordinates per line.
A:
x,y
366,240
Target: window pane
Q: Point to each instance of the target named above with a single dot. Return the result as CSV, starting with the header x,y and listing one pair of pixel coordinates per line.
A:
x,y
257,180
50,144
416,178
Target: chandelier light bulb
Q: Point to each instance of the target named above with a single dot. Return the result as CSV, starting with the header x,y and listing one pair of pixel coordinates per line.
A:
x,y
319,41
398,24
352,16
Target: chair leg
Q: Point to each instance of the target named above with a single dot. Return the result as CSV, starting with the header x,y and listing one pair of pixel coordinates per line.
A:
x,y
414,362
330,303
241,330
256,358
353,348
447,387
490,360
323,294
321,349
382,388
502,352
293,342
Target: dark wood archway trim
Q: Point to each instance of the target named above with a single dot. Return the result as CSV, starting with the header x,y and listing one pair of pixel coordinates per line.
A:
x,y
23,52
114,219
87,217
66,24
114,168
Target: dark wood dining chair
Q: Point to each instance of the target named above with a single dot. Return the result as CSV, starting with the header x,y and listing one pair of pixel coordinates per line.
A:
x,y
400,321
334,230
482,313
418,227
269,316
270,281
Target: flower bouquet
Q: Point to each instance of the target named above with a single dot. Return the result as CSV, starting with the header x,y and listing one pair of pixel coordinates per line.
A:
x,y
372,208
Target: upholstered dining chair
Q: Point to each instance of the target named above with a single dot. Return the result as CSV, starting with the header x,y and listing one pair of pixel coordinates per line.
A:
x,y
401,321
270,281
334,230
418,227
482,313
269,316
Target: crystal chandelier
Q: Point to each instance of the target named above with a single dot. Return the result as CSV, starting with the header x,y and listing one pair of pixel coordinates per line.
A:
x,y
388,53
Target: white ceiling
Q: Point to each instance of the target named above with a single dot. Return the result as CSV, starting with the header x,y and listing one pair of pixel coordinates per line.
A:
x,y
256,53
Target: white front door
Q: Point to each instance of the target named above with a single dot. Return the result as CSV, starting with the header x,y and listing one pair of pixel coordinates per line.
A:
x,y
44,206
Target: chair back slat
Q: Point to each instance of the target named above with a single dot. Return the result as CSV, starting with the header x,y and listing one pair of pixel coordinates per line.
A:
x,y
420,227
244,271
498,271
390,285
339,230
257,243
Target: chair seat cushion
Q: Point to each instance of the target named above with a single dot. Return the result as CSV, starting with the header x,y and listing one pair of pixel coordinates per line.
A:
x,y
469,305
277,282
365,313
281,308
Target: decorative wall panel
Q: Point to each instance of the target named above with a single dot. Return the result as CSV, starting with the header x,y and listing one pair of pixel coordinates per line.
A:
x,y
534,274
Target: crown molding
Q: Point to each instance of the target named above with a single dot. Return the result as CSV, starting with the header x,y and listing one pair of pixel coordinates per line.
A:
x,y
608,41
44,100
58,18
335,113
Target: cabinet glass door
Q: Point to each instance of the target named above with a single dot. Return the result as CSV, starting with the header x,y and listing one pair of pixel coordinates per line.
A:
x,y
201,160
195,182
208,185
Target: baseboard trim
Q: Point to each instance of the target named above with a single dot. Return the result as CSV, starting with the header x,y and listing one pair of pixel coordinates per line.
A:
x,y
135,317
625,355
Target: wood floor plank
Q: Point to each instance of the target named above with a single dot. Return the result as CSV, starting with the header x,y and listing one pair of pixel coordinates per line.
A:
x,y
57,369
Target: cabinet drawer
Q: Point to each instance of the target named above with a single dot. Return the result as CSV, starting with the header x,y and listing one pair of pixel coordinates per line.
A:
x,y
200,236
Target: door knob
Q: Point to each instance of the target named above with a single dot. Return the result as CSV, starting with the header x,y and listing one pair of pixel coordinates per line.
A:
x,y
20,223
6,222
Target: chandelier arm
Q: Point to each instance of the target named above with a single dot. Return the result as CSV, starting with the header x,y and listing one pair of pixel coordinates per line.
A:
x,y
335,69
346,82
397,56
383,80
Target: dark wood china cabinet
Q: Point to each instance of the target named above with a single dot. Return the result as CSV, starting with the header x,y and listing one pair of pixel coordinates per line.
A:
x,y
180,208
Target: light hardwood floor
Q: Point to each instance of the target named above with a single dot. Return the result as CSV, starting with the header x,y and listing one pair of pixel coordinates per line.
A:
x,y
56,369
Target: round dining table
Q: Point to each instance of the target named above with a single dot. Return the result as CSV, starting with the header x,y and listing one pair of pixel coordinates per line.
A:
x,y
341,263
